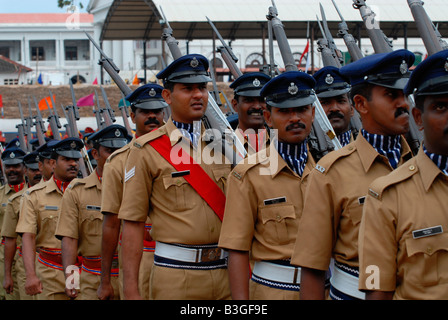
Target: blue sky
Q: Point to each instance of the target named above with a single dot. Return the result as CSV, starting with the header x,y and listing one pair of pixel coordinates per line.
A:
x,y
34,6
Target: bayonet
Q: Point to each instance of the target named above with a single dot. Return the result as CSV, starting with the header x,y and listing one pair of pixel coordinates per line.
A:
x,y
109,114
53,123
39,124
328,57
331,44
97,112
167,36
21,130
125,114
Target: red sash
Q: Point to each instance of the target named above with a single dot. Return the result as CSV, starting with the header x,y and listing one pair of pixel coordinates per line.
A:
x,y
198,178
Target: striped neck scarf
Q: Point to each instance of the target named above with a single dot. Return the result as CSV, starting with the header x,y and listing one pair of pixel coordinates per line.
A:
x,y
99,177
295,155
344,138
440,161
388,146
61,185
191,131
17,187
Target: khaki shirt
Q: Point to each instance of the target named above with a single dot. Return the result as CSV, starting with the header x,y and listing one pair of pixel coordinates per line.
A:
x,y
5,192
263,206
334,199
39,213
410,262
11,216
113,179
178,213
80,216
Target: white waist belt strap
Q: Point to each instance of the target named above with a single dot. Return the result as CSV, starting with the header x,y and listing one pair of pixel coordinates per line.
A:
x,y
346,283
189,254
276,272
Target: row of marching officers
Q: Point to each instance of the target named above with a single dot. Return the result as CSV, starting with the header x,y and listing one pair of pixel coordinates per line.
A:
x,y
166,216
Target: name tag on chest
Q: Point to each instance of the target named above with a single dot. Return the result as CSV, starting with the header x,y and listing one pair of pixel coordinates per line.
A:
x,y
432,231
52,208
95,208
180,173
274,201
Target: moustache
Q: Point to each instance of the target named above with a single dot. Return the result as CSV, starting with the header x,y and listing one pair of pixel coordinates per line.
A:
x,y
255,111
72,168
335,114
296,125
401,111
37,177
152,121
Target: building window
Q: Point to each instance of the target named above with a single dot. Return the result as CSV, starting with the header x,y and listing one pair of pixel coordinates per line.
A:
x,y
71,53
37,53
9,82
4,51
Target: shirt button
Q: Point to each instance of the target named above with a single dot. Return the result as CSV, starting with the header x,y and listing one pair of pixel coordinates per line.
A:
x,y
429,250
412,167
279,217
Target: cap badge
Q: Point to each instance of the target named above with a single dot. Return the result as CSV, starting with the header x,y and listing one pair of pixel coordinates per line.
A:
x,y
446,65
292,89
18,144
117,133
256,82
403,67
194,63
12,155
152,92
73,145
329,79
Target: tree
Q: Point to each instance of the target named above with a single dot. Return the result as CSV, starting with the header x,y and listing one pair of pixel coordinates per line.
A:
x,y
69,3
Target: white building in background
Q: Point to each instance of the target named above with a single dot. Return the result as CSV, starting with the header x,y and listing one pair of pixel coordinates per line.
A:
x,y
53,45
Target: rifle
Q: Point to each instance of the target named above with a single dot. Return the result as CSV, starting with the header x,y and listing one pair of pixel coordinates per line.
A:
x,y
28,126
334,50
379,40
67,125
324,130
73,116
125,114
328,57
167,36
213,118
97,113
108,113
349,40
425,27
53,123
21,130
39,124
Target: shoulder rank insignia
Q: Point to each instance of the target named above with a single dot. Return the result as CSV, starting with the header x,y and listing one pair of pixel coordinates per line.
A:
x,y
374,194
236,175
320,168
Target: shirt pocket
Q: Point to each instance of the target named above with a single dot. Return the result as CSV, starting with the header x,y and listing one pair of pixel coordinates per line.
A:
x,y
49,216
354,211
91,220
279,223
427,260
177,189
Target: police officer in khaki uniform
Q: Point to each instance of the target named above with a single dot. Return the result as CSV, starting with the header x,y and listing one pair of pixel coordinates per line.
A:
x,y
46,166
402,239
338,185
80,220
14,282
147,112
265,195
38,219
333,90
173,175
12,158
249,105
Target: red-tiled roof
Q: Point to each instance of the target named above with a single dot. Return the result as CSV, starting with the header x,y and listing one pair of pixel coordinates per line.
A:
x,y
10,66
42,17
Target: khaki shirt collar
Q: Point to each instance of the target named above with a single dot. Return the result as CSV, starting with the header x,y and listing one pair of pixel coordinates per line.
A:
x,y
174,133
368,154
52,186
92,181
428,169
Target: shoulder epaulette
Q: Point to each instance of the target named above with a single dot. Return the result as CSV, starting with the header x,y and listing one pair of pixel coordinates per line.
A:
x,y
400,174
117,152
329,159
36,187
243,167
76,182
140,142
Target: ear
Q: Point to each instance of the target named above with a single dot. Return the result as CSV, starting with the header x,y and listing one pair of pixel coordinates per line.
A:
x,y
133,117
417,114
95,154
361,104
235,105
267,117
166,95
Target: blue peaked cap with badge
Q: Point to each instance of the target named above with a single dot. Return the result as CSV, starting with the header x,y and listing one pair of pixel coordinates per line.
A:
x,y
330,82
430,77
191,68
289,90
250,84
13,143
13,156
113,136
389,69
31,160
148,97
69,147
44,151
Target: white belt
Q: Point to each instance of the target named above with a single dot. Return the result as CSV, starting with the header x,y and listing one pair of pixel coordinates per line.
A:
x,y
346,283
189,254
276,272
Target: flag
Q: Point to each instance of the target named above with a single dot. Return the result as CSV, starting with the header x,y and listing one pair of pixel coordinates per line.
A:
x,y
308,62
95,81
135,81
1,101
125,103
39,80
307,48
43,105
86,101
